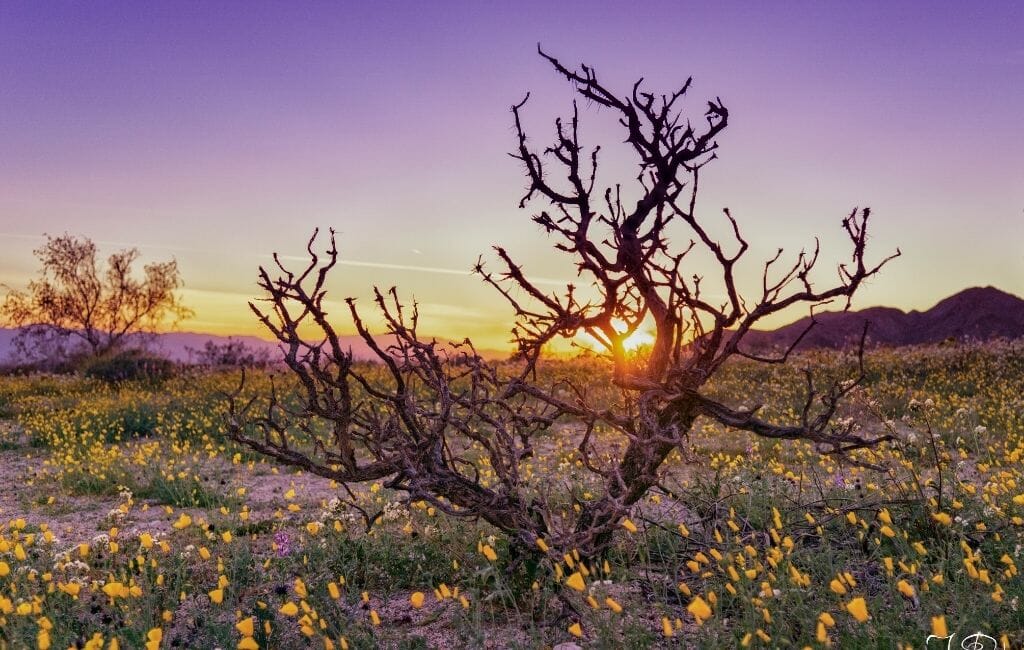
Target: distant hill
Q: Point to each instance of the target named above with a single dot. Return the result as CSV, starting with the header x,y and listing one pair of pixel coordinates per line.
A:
x,y
978,313
177,346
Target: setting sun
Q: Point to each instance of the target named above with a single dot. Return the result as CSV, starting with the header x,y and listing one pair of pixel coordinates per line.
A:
x,y
638,339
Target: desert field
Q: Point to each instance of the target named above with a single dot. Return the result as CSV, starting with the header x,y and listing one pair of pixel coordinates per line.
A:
x,y
511,326
130,520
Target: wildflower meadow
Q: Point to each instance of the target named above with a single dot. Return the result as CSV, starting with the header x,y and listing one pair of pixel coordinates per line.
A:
x,y
130,520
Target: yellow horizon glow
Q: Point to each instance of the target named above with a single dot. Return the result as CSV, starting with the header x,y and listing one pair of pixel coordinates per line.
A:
x,y
637,339
227,313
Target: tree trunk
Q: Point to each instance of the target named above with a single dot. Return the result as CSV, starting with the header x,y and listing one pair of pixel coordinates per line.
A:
x,y
639,472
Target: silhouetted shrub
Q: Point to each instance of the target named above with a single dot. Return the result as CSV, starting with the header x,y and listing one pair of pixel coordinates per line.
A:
x,y
128,365
231,354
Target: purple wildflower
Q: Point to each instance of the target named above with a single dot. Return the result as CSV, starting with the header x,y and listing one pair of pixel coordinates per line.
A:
x,y
284,543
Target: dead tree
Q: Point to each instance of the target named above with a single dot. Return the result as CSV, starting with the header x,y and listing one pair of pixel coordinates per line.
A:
x,y
444,416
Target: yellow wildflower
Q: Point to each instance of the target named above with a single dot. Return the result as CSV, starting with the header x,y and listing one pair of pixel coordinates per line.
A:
x,y
576,581
666,627
289,609
153,638
906,589
699,609
858,609
246,626
184,521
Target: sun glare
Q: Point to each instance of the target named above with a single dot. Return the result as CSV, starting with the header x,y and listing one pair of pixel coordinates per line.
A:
x,y
634,341
637,339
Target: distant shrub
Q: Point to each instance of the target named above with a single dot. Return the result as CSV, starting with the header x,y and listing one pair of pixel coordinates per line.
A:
x,y
128,365
41,366
231,354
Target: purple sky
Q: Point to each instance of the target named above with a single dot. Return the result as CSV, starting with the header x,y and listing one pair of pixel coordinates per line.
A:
x,y
219,132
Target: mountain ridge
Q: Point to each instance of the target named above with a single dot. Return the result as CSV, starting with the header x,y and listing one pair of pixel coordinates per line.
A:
x,y
976,313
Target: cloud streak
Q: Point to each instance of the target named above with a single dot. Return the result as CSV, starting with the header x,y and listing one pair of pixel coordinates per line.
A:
x,y
296,258
417,268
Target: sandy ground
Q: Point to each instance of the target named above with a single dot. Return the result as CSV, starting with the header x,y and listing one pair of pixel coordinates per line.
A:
x,y
26,495
74,519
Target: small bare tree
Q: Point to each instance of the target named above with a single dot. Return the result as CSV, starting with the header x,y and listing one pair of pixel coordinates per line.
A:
x,y
75,299
444,413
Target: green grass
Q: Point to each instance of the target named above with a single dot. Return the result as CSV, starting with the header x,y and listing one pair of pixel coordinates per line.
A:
x,y
99,439
187,492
